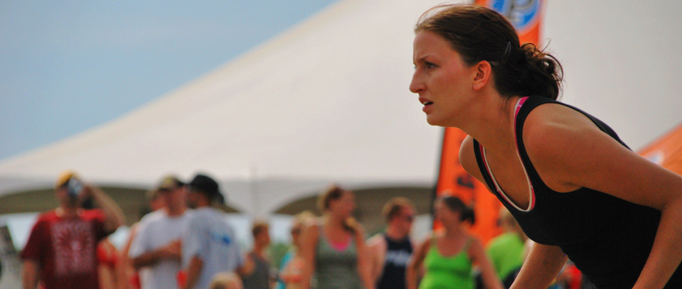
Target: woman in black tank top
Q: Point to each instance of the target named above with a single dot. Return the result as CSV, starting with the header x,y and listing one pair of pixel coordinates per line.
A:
x,y
572,185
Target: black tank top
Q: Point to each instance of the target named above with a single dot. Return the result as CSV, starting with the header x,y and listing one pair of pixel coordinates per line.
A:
x,y
395,264
608,238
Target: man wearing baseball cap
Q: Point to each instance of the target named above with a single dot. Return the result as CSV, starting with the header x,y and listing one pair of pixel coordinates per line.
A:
x,y
61,250
157,243
209,243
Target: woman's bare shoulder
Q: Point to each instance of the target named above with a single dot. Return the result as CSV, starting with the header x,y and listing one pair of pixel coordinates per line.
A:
x,y
553,128
467,158
561,143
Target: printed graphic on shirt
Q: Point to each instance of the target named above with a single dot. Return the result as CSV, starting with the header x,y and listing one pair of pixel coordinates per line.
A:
x,y
220,235
399,258
221,238
74,247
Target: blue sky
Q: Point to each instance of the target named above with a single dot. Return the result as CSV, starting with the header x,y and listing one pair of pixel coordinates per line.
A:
x,y
67,66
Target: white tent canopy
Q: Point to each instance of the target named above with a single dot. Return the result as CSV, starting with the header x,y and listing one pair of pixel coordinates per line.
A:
x,y
328,101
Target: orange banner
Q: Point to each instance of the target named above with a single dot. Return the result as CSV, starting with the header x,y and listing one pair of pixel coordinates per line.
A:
x,y
526,16
454,180
666,151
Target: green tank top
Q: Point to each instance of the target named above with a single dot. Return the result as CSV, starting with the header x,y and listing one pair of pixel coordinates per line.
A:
x,y
336,269
447,272
506,252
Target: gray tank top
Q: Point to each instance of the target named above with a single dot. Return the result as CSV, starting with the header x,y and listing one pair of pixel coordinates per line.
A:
x,y
260,278
336,269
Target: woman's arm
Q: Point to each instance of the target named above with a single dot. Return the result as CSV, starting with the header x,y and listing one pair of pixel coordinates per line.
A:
x,y
106,277
580,155
376,247
477,254
128,269
112,212
540,268
247,268
415,265
194,269
121,276
364,259
30,274
666,253
172,250
309,237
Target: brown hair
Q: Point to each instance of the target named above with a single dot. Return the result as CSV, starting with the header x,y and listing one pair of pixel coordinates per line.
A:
x,y
258,227
481,34
333,193
455,204
394,206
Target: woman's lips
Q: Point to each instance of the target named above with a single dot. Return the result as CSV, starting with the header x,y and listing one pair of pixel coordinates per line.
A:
x,y
427,104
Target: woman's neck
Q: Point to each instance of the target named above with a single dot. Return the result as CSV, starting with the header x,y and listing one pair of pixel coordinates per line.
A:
x,y
333,220
259,250
453,231
492,122
395,233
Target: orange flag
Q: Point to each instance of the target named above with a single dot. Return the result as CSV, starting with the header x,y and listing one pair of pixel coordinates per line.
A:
x,y
526,16
454,180
666,151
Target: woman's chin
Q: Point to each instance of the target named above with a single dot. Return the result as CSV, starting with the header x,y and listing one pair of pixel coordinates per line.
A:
x,y
434,120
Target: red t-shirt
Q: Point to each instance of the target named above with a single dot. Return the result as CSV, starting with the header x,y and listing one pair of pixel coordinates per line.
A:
x,y
106,257
66,249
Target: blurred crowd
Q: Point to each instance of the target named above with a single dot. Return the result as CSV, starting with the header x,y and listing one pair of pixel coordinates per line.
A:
x,y
186,242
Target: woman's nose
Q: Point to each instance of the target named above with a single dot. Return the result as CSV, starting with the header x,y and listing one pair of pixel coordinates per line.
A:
x,y
416,86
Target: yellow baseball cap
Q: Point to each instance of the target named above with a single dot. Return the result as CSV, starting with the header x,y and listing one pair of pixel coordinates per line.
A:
x,y
64,177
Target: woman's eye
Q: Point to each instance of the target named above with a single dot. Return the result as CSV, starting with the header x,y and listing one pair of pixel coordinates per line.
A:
x,y
430,65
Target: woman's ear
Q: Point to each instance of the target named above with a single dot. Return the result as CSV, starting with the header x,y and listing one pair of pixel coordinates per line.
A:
x,y
483,73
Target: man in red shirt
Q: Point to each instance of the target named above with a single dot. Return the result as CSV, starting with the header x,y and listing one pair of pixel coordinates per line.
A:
x,y
62,248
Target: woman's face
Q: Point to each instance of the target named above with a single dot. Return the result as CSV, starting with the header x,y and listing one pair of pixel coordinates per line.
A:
x,y
296,230
442,79
445,214
263,238
344,206
406,219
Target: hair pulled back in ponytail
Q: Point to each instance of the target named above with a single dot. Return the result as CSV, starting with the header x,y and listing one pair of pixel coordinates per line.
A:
x,y
481,34
334,193
455,204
